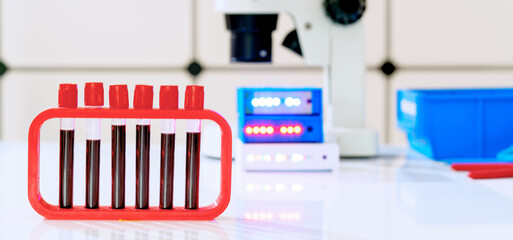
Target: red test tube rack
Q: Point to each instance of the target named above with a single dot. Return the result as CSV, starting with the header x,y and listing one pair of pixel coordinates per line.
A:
x,y
71,212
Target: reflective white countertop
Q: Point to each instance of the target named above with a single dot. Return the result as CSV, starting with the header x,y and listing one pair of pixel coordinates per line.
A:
x,y
390,197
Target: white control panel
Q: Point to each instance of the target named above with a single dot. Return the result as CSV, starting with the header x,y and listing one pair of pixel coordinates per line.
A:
x,y
288,156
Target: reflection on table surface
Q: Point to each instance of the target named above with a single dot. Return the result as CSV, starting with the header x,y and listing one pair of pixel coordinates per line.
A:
x,y
390,197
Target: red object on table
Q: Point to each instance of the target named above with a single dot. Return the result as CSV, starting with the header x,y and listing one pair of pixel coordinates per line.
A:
x,y
128,213
485,170
495,173
479,166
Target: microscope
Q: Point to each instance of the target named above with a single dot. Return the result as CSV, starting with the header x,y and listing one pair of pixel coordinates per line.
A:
x,y
328,34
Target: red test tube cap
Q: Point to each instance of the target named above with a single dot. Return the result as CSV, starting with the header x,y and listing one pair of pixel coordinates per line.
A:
x,y
194,96
68,95
168,97
93,94
143,97
118,96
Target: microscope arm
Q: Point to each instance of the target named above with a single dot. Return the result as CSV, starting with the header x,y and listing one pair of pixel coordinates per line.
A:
x,y
345,84
346,80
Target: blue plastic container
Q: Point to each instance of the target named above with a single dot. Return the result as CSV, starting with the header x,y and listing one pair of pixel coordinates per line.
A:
x,y
448,124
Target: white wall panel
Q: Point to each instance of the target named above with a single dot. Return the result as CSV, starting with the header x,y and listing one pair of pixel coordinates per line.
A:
x,y
96,33
457,32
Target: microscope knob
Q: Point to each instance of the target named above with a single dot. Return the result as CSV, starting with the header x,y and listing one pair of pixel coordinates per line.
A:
x,y
345,11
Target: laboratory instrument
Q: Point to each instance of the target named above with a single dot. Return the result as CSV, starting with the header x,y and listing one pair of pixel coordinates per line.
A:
x,y
269,115
281,129
328,34
288,156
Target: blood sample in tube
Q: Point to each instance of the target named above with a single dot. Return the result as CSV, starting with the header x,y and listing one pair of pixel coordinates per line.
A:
x,y
143,99
67,99
93,98
168,101
118,99
193,101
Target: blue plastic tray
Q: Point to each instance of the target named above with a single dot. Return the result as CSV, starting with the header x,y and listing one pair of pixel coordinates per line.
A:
x,y
448,124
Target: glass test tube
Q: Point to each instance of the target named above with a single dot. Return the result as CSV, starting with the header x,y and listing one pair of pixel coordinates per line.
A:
x,y
93,99
168,101
143,99
67,99
142,163
118,163
118,99
193,101
167,161
192,163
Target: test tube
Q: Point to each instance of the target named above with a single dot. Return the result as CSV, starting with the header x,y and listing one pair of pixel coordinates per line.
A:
x,y
143,99
118,99
93,98
193,101
67,99
168,101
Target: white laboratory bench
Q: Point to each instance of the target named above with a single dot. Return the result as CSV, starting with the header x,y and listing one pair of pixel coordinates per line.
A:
x,y
390,197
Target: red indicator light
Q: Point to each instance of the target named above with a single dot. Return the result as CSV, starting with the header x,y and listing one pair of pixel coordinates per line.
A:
x,y
263,130
259,130
291,129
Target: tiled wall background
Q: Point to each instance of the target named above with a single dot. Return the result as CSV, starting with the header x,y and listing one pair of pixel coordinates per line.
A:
x,y
433,44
